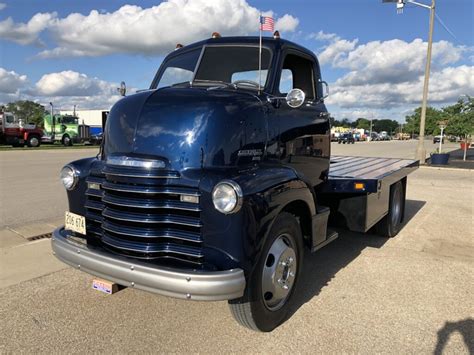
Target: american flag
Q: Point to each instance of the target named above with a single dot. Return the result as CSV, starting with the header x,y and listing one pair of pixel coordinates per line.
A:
x,y
266,23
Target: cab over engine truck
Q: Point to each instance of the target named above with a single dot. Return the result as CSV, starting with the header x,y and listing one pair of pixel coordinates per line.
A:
x,y
17,133
209,187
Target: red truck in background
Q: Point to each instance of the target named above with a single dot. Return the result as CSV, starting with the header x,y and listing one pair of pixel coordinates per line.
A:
x,y
17,132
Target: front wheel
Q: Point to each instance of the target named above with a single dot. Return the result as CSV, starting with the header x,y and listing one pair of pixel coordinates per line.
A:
x,y
270,286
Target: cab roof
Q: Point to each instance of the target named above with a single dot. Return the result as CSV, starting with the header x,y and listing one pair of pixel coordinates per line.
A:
x,y
275,45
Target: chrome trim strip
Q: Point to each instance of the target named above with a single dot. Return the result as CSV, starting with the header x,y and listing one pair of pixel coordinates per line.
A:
x,y
165,251
143,176
144,219
164,205
135,162
171,236
145,190
172,282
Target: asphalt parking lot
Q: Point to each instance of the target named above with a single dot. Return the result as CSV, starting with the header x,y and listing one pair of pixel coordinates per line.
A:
x,y
360,294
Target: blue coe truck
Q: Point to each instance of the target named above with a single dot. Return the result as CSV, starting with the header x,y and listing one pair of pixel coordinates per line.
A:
x,y
212,184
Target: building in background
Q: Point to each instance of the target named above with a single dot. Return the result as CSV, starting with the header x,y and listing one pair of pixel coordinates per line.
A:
x,y
95,119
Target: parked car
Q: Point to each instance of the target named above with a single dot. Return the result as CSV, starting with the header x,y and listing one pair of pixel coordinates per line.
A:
x,y
346,138
436,139
374,136
96,139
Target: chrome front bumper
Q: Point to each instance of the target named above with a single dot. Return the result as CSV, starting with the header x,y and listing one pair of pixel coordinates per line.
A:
x,y
194,285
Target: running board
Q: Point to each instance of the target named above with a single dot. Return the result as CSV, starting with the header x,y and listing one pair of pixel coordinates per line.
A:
x,y
331,236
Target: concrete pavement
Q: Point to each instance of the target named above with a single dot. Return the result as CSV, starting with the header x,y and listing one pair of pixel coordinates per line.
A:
x,y
30,189
360,294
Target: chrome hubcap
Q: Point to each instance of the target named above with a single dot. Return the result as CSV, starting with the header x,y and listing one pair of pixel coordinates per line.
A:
x,y
34,141
279,272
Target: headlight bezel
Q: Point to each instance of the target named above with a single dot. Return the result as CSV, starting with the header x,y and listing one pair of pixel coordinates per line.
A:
x,y
75,176
238,196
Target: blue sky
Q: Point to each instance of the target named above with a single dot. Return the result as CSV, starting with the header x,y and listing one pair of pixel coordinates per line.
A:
x,y
372,57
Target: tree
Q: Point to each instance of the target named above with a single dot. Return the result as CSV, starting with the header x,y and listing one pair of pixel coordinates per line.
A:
x,y
460,118
362,123
385,125
433,116
28,111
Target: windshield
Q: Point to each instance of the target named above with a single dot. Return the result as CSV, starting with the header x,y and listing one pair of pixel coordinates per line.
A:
x,y
219,64
69,119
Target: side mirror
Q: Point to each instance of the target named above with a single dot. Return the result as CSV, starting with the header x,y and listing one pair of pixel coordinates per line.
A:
x,y
325,90
295,98
122,89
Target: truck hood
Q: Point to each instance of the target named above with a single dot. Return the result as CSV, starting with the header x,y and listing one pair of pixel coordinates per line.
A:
x,y
187,127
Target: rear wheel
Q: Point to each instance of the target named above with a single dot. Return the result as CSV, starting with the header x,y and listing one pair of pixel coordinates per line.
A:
x,y
67,141
390,225
270,286
33,141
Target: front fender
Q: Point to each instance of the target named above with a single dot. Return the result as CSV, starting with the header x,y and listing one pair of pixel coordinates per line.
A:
x,y
77,196
267,191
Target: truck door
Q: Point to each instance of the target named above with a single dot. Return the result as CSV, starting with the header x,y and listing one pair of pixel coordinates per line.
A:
x,y
300,137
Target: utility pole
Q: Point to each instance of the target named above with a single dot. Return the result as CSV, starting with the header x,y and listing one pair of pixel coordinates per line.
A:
x,y
421,150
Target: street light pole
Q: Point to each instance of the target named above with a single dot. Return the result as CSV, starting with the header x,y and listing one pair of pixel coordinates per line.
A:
x,y
421,150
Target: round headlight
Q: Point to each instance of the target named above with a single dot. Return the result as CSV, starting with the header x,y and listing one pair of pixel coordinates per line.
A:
x,y
69,177
227,197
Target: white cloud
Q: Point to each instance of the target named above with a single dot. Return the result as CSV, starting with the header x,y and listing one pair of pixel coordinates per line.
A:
x,y
26,33
388,75
154,30
287,23
71,83
446,86
11,82
2,6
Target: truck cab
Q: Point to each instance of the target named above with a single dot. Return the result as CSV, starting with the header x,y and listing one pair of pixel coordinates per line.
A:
x,y
17,132
208,186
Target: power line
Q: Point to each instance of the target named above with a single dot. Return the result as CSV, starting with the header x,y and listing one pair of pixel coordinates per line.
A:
x,y
446,27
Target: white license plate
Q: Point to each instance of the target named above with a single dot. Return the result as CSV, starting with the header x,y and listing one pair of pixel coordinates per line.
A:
x,y
75,222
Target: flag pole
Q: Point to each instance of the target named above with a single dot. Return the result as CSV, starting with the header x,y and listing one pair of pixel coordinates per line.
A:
x,y
260,55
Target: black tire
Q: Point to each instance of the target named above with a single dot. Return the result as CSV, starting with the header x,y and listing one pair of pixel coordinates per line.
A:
x,y
33,141
252,310
66,141
338,142
391,224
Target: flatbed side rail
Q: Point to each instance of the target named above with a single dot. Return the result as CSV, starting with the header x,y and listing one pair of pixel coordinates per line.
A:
x,y
364,174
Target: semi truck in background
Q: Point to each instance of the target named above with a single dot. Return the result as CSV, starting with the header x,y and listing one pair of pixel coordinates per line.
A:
x,y
17,132
65,129
95,119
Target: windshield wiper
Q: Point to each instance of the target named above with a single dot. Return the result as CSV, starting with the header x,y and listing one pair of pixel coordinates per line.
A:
x,y
218,82
181,83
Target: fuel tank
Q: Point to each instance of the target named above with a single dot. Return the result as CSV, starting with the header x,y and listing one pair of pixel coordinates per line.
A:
x,y
188,127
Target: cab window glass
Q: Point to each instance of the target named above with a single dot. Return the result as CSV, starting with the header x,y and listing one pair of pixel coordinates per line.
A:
x,y
179,69
302,75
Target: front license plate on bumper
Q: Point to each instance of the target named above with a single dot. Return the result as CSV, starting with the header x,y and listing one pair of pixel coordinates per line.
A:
x,y
75,222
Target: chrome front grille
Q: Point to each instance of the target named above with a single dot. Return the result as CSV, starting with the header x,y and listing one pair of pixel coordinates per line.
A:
x,y
140,213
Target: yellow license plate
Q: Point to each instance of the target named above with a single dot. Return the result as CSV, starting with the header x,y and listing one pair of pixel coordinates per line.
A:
x,y
75,222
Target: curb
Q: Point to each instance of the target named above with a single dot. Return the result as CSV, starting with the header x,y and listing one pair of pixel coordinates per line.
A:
x,y
441,168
